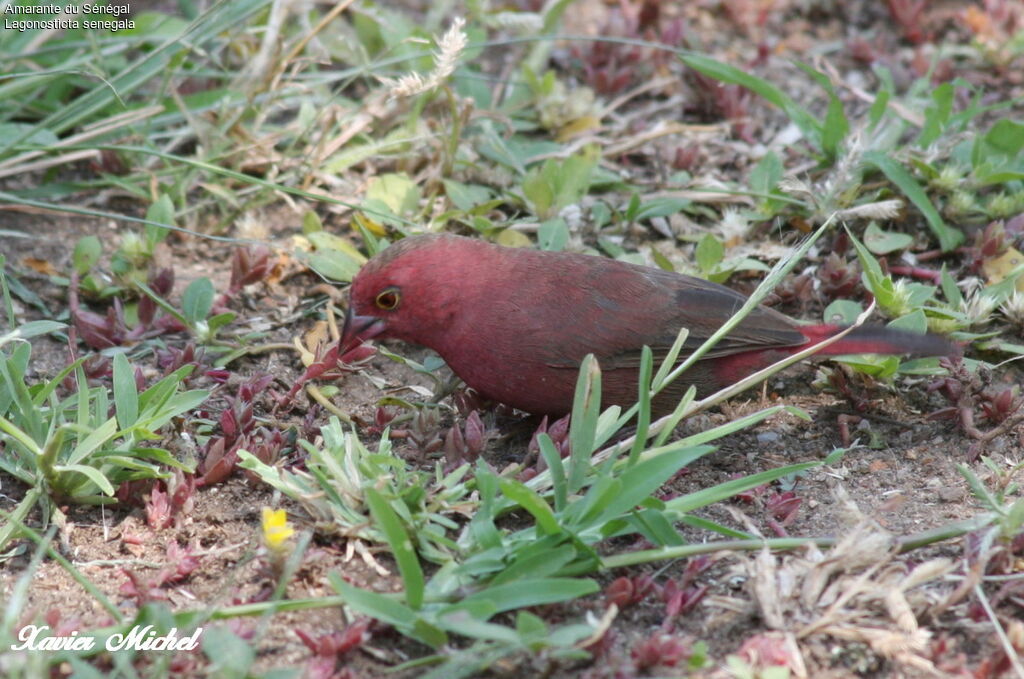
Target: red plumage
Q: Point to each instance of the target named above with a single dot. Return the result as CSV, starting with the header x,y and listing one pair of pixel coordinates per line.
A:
x,y
515,324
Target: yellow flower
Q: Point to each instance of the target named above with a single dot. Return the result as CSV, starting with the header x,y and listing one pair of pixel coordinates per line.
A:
x,y
275,528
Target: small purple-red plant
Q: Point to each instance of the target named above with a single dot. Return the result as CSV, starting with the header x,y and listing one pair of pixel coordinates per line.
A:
x,y
989,243
909,15
750,496
998,405
714,100
660,650
331,362
466,443
782,510
169,500
248,266
611,68
971,398
840,278
682,596
100,331
329,650
766,650
679,600
237,423
628,591
557,430
181,563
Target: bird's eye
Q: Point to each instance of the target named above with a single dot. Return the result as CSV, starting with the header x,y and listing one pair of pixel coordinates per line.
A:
x,y
388,299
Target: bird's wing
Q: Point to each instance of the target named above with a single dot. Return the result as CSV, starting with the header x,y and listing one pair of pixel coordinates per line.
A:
x,y
677,301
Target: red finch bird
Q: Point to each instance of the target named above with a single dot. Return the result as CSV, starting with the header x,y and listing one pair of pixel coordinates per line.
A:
x,y
515,323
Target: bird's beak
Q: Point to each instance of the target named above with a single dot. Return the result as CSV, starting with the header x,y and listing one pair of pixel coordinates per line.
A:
x,y
360,328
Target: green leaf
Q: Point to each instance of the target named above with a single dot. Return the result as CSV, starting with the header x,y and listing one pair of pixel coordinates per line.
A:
x,y
643,417
639,481
656,527
632,208
126,395
835,129
333,265
556,184
396,191
20,436
529,625
388,610
217,322
229,654
659,207
936,116
533,592
572,178
31,329
842,312
311,223
326,241
97,438
533,503
91,473
709,252
950,290
25,133
197,300
583,513
661,261
948,237
538,564
161,211
915,321
583,424
87,252
553,234
1005,137
466,196
538,193
767,174
883,242
881,367
879,107
461,622
400,544
998,156
554,462
807,123
875,281
706,496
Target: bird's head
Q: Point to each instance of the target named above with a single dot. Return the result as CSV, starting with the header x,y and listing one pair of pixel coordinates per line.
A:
x,y
405,292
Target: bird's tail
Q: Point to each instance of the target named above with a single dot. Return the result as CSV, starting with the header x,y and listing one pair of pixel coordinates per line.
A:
x,y
877,339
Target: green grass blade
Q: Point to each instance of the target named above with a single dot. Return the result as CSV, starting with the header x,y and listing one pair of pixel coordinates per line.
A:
x,y
401,546
725,73
639,481
724,491
535,592
21,437
533,503
586,409
126,395
93,474
643,418
949,237
93,441
559,483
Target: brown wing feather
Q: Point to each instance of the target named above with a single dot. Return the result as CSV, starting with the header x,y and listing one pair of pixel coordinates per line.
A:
x,y
701,306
